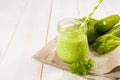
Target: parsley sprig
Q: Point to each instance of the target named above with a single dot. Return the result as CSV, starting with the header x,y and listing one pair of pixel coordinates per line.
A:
x,y
82,67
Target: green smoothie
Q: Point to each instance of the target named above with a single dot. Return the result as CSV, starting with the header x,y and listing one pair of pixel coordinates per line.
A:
x,y
72,45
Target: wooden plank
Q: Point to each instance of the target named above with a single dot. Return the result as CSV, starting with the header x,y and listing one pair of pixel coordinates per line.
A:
x,y
30,36
60,9
40,55
10,14
58,74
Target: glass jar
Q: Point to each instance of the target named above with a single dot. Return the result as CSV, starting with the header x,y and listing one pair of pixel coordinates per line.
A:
x,y
72,44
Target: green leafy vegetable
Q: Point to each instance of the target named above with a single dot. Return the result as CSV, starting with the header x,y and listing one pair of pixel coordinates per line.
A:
x,y
82,67
106,43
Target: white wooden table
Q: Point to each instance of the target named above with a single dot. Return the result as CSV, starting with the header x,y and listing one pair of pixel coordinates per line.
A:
x,y
28,25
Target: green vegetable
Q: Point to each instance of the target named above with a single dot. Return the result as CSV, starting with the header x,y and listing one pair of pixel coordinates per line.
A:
x,y
115,31
106,24
106,43
91,34
82,67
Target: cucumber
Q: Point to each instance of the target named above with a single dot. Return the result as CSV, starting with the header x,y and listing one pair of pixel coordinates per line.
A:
x,y
105,24
106,43
91,34
115,31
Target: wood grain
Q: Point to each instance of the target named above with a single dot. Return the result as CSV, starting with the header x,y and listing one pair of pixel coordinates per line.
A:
x,y
44,52
30,35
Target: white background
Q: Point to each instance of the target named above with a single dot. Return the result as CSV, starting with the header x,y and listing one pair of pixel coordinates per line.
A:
x,y
27,25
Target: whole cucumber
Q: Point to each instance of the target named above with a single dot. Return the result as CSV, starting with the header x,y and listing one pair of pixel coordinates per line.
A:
x,y
91,34
105,24
115,31
106,43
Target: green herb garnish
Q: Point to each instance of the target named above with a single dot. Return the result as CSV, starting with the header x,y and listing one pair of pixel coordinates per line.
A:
x,y
82,67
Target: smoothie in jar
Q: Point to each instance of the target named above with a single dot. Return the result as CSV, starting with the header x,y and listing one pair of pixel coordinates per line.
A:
x,y
72,42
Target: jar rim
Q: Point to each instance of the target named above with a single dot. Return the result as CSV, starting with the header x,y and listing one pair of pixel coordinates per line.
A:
x,y
70,22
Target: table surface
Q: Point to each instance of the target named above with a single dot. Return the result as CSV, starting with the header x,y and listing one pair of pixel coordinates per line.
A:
x,y
28,25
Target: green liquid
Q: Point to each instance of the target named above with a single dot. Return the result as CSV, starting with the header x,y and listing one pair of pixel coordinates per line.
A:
x,y
72,45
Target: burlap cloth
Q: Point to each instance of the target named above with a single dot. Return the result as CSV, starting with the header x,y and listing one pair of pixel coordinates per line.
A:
x,y
108,63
